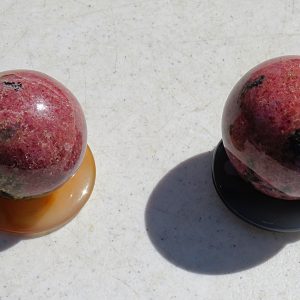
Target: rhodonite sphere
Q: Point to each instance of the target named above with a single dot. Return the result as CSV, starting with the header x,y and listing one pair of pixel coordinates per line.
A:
x,y
261,127
42,134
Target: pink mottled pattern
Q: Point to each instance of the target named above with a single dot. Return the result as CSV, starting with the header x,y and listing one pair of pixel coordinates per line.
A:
x,y
42,133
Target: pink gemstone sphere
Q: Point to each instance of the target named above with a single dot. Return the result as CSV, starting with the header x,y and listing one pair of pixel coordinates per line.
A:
x,y
42,134
261,127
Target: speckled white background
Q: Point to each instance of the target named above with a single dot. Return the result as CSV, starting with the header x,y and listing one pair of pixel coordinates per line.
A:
x,y
152,77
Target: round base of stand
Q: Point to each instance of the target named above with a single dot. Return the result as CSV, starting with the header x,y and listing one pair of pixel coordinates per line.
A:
x,y
42,215
248,203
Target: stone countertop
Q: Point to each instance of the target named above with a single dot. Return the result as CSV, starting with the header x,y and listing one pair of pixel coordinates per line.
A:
x,y
152,78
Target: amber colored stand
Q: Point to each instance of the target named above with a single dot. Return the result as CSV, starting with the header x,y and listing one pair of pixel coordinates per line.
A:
x,y
39,216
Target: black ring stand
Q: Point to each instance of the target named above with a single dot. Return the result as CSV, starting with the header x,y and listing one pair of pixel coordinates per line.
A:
x,y
249,204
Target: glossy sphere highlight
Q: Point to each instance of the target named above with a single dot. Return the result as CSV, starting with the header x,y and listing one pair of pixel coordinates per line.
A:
x,y
42,134
261,127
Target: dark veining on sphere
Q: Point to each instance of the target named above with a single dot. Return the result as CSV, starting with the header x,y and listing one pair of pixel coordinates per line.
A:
x,y
251,176
294,143
231,128
15,85
6,195
249,85
7,133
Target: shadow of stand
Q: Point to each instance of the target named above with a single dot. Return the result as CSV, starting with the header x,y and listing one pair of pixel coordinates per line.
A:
x,y
7,241
190,226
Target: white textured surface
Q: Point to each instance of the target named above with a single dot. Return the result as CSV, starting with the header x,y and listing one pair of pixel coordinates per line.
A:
x,y
152,77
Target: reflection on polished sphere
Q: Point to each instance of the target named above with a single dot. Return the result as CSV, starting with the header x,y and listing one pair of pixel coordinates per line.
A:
x,y
42,134
261,127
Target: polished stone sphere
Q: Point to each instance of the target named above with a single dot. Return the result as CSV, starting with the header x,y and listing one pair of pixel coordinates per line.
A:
x,y
261,127
42,134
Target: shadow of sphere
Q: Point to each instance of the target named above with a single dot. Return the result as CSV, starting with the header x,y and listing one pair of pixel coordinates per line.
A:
x,y
190,226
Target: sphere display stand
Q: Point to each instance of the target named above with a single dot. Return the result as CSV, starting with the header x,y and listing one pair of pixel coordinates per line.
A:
x,y
42,215
249,204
